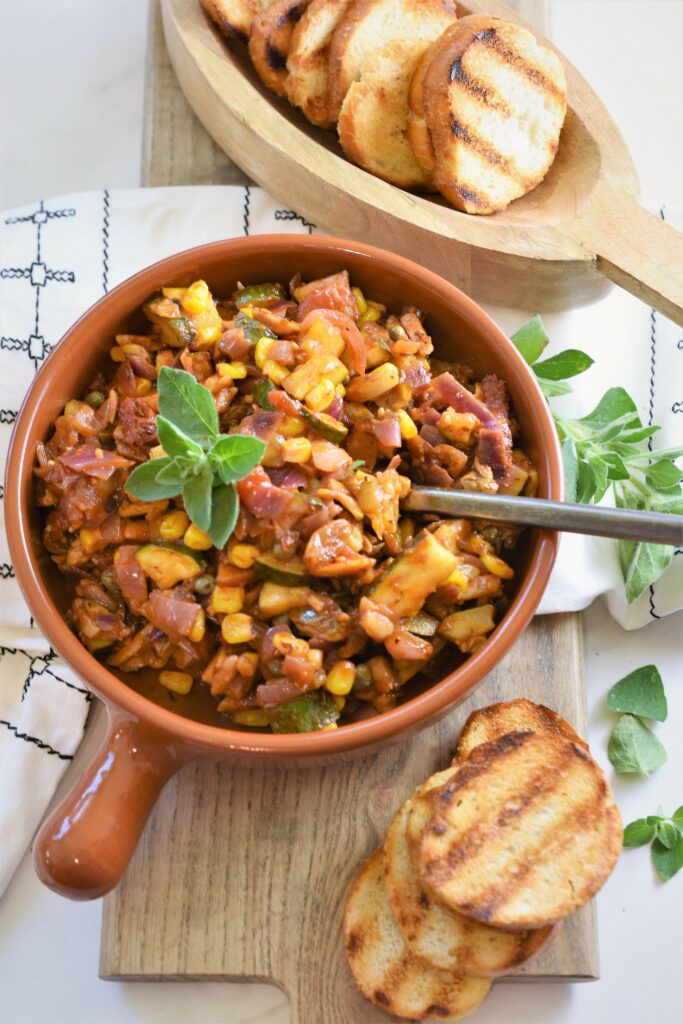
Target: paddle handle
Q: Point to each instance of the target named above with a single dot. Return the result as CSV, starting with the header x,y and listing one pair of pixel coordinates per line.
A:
x,y
620,523
636,249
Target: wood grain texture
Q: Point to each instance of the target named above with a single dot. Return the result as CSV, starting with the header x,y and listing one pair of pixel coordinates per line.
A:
x,y
241,874
557,246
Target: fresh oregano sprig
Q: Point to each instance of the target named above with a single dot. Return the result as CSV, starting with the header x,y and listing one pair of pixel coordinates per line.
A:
x,y
666,837
199,463
604,450
633,748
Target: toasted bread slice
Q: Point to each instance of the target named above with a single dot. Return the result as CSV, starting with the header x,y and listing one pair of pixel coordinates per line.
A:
x,y
270,40
368,25
373,123
429,931
385,971
234,17
495,102
307,63
418,130
492,722
524,833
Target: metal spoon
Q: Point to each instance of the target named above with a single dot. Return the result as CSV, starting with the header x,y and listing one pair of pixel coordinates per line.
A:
x,y
621,523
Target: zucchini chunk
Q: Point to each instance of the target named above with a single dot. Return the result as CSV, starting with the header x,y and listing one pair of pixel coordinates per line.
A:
x,y
168,564
291,573
414,576
326,426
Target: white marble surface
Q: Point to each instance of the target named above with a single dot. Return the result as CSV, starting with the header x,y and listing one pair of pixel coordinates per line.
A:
x,y
71,86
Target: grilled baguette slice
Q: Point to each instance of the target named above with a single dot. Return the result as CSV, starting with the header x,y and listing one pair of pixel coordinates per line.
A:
x,y
368,25
373,123
383,968
307,63
430,932
495,101
234,17
524,833
270,40
492,722
418,130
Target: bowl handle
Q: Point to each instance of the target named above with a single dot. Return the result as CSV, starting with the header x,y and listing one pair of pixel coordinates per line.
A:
x,y
83,848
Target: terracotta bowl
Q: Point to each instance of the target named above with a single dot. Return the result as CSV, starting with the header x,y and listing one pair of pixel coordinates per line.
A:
x,y
84,846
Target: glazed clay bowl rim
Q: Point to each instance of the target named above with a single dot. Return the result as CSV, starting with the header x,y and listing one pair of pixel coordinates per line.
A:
x,y
415,712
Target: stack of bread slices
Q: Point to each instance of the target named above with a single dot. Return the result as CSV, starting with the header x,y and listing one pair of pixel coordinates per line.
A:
x,y
480,864
470,107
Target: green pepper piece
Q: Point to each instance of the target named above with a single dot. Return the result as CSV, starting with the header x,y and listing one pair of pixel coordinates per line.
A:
x,y
259,295
308,713
261,394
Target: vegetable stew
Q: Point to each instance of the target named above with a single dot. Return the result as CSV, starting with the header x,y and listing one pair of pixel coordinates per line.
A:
x,y
326,599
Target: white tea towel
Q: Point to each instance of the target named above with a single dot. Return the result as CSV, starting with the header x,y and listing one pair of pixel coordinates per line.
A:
x,y
59,256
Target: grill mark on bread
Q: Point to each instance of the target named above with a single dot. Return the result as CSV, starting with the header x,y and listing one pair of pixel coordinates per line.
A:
x,y
474,87
489,38
543,783
484,148
276,60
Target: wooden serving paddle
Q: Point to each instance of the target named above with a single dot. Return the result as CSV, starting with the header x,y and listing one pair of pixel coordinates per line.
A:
x,y
557,247
564,516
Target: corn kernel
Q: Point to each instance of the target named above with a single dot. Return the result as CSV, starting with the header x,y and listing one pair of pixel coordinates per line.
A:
x,y
237,628
196,539
360,300
330,727
142,387
408,428
340,678
157,452
227,600
296,449
374,312
253,717
339,701
89,539
320,396
276,372
237,371
261,351
179,682
197,297
248,310
117,354
174,525
247,663
244,555
285,643
173,293
199,628
497,566
457,578
315,656
292,427
340,389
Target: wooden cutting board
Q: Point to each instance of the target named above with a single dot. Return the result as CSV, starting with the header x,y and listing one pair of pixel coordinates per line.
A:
x,y
241,873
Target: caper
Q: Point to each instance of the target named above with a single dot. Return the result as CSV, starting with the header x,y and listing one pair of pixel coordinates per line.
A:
x,y
363,680
95,399
204,585
396,332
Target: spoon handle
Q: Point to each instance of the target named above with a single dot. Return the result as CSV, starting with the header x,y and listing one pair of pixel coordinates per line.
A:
x,y
621,523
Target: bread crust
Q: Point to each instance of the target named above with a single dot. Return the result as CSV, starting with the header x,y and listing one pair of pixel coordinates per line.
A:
x,y
307,63
385,970
524,833
495,102
490,723
233,17
270,40
366,26
418,130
